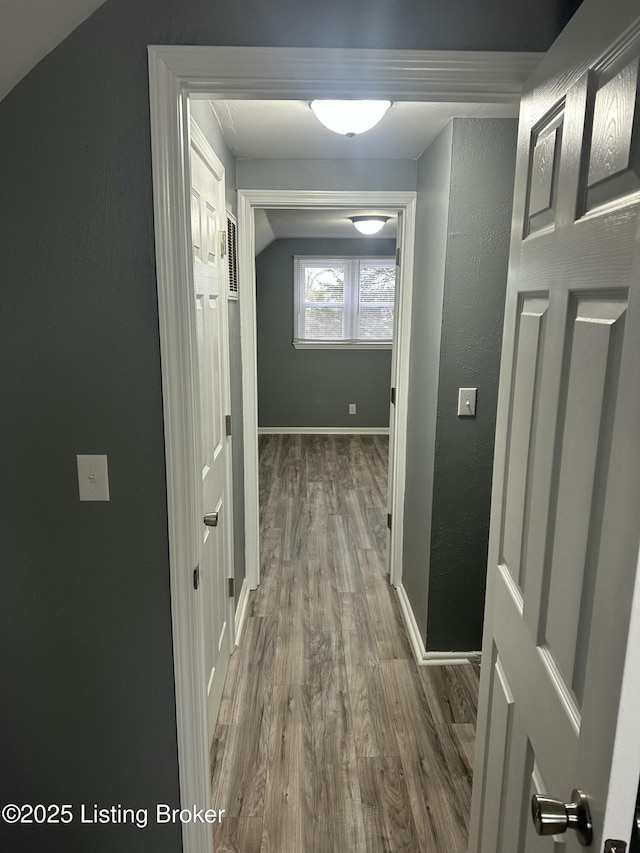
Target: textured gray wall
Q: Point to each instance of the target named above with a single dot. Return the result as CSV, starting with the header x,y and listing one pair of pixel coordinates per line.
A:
x,y
348,175
204,117
87,712
429,267
465,189
306,388
482,173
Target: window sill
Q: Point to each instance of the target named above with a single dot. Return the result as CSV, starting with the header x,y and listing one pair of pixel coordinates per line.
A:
x,y
341,345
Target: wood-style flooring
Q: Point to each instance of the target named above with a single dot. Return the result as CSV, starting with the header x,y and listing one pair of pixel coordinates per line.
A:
x,y
330,739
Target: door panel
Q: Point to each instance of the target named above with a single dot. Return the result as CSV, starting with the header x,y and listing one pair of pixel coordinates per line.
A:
x,y
208,216
565,533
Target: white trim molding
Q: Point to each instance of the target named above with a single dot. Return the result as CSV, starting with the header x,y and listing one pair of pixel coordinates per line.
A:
x,y
323,430
330,345
306,73
248,202
421,655
241,611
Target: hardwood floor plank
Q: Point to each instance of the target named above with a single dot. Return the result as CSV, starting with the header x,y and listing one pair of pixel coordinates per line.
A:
x,y
237,835
339,823
390,635
451,691
372,565
335,494
359,533
292,646
239,787
388,820
360,647
294,547
224,714
343,556
318,517
373,731
377,522
331,730
364,736
437,775
465,734
324,598
288,822
216,750
313,449
265,599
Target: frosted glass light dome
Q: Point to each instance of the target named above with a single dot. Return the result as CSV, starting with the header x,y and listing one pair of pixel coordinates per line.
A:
x,y
349,117
369,224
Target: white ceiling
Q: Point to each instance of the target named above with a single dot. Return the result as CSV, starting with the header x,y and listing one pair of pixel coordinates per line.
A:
x,y
30,29
289,130
325,222
276,130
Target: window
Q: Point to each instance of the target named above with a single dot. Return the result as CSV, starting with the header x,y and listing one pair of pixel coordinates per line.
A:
x,y
343,302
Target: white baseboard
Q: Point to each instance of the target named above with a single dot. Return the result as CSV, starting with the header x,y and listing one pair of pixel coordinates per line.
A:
x,y
241,610
323,430
421,655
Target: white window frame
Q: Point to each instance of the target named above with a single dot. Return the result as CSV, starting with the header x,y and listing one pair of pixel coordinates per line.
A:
x,y
350,305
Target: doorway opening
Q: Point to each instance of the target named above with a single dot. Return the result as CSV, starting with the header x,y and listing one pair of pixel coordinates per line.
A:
x,y
245,72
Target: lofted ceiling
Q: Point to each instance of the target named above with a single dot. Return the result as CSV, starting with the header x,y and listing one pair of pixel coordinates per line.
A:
x,y
30,29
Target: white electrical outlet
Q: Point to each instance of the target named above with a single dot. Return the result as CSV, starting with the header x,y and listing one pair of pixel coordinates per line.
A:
x,y
352,408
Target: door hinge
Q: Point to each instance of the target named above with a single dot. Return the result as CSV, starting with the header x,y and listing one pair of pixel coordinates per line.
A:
x,y
223,243
232,590
228,424
196,577
393,396
389,520
398,256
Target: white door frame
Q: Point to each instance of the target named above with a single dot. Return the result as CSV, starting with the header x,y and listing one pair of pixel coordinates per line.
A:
x,y
248,202
175,72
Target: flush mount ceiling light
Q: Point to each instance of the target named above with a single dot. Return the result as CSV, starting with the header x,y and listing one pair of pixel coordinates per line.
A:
x,y
349,117
369,224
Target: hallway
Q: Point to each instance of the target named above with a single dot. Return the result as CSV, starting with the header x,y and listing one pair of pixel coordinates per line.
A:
x,y
329,738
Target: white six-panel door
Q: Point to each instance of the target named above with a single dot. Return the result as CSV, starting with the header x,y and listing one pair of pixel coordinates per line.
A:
x,y
565,525
208,221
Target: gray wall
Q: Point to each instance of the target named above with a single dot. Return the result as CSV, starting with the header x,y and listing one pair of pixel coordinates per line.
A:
x,y
482,174
203,114
432,215
348,175
308,387
465,189
87,712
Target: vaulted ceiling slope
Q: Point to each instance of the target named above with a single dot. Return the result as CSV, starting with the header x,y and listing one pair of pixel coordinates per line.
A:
x,y
30,29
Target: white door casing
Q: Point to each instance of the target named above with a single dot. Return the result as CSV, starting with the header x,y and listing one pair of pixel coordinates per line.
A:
x,y
176,73
561,683
394,554
208,222
403,203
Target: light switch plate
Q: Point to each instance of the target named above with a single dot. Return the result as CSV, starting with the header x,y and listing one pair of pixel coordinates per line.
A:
x,y
93,477
467,402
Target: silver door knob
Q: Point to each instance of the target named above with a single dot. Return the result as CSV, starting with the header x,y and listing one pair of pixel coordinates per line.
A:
x,y
211,519
553,817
